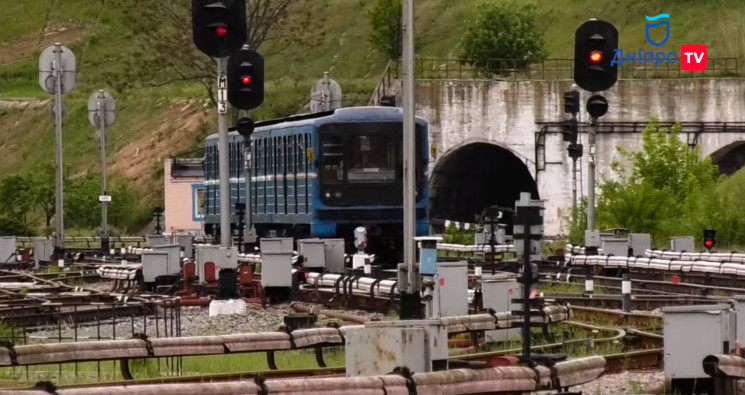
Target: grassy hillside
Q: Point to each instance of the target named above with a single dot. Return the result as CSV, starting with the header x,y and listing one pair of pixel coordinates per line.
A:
x,y
155,123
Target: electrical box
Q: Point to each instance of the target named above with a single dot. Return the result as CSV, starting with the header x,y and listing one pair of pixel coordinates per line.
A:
x,y
402,277
7,249
334,252
683,244
228,258
276,244
204,254
381,346
313,251
186,243
615,247
497,291
155,240
276,269
639,243
174,256
740,313
483,236
693,332
592,238
535,244
43,250
154,264
428,254
452,286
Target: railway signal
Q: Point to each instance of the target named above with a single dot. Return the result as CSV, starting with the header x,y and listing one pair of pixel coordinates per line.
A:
x,y
246,79
710,238
571,102
570,130
219,26
594,46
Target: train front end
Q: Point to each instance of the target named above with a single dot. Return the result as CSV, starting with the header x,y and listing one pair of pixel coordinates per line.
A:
x,y
360,183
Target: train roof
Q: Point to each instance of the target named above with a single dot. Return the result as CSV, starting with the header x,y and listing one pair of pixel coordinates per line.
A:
x,y
344,114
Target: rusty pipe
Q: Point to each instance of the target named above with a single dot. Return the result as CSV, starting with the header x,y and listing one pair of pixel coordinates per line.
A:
x,y
304,308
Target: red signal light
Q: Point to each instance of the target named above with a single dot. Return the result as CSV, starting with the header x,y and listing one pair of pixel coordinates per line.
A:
x,y
221,31
596,56
708,243
246,79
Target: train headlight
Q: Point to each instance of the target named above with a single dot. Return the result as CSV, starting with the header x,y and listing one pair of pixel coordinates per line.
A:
x,y
337,194
328,195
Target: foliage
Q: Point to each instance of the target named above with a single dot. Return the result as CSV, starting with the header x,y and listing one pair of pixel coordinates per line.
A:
x,y
578,222
503,36
24,195
15,191
386,19
83,210
455,235
663,191
13,227
163,51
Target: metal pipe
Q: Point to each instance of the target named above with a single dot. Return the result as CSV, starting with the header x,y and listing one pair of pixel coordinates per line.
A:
x,y
304,308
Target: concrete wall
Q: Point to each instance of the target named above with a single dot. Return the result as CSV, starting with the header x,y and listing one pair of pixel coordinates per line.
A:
x,y
179,202
505,113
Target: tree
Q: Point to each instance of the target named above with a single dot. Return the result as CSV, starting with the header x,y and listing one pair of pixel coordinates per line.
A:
x,y
43,180
164,53
15,201
503,37
385,17
661,191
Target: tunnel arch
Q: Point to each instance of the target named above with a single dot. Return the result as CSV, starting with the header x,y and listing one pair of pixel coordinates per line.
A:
x,y
474,176
730,158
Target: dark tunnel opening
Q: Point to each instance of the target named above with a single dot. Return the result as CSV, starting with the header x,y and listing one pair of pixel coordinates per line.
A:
x,y
730,159
474,177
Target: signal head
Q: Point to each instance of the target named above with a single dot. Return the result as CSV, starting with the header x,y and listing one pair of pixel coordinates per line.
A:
x,y
595,42
596,56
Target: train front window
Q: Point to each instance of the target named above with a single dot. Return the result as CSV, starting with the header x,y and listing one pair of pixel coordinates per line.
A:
x,y
374,159
363,153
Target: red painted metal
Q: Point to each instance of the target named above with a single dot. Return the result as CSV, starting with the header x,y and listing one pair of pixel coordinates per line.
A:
x,y
210,270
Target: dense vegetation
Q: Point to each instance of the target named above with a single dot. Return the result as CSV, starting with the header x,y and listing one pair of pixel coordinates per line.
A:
x,y
667,189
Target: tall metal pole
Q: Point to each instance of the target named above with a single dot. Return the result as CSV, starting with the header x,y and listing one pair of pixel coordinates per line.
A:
x,y
59,190
591,176
409,140
224,159
527,283
250,234
574,183
102,137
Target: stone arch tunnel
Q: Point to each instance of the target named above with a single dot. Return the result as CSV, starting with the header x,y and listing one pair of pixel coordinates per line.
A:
x,y
477,175
730,158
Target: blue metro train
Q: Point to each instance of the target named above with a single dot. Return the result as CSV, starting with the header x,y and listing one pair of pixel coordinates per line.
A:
x,y
323,175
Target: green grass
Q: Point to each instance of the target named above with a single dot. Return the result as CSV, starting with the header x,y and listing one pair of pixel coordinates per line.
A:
x,y
155,368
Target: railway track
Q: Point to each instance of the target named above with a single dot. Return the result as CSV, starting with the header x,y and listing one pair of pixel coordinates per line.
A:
x,y
647,358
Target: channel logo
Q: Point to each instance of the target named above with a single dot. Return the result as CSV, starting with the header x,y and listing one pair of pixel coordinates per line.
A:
x,y
693,57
